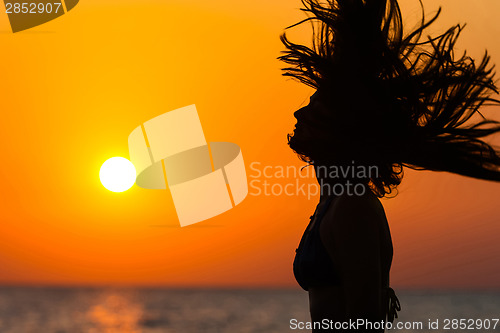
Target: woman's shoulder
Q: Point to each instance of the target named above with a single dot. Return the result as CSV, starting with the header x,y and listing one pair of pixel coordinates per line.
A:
x,y
351,221
364,208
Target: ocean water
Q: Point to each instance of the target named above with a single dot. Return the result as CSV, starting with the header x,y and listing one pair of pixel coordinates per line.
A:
x,y
109,310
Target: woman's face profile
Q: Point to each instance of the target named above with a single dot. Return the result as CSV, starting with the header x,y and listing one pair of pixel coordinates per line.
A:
x,y
311,122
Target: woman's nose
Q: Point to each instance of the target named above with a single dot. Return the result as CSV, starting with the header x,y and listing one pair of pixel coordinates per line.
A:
x,y
299,113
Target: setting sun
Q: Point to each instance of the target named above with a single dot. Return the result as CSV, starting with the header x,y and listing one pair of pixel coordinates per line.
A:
x,y
117,174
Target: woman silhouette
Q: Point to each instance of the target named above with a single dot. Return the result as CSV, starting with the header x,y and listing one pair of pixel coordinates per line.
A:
x,y
384,100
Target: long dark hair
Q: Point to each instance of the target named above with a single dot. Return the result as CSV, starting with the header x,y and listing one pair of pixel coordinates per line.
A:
x,y
424,100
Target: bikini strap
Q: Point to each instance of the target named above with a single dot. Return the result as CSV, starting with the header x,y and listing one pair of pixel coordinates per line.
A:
x,y
325,208
319,217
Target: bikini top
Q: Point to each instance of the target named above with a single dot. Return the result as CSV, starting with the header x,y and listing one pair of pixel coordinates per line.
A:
x,y
313,266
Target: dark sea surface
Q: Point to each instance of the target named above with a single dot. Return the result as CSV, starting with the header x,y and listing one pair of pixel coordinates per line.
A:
x,y
58,310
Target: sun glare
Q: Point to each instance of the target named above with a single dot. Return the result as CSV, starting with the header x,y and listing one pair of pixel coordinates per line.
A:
x,y
117,174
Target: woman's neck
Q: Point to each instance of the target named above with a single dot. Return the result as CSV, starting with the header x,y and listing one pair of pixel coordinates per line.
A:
x,y
333,184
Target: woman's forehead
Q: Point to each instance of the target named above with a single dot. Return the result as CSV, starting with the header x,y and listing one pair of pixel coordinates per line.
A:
x,y
324,94
322,97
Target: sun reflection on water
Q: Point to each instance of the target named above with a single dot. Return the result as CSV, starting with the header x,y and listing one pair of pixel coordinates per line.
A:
x,y
116,312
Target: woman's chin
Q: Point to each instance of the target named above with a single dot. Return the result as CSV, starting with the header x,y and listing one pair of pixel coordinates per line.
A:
x,y
297,145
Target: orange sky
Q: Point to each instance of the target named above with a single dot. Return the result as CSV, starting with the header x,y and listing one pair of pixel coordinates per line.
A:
x,y
73,89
